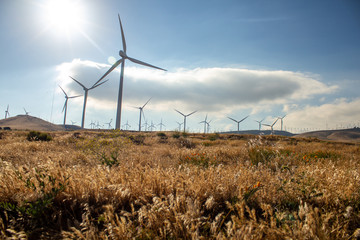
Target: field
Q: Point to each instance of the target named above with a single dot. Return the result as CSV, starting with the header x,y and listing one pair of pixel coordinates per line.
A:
x,y
122,185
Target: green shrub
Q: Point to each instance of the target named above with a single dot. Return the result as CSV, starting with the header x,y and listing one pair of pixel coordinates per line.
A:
x,y
38,136
176,135
138,139
161,134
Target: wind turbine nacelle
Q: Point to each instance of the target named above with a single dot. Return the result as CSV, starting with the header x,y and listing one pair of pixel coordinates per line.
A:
x,y
122,54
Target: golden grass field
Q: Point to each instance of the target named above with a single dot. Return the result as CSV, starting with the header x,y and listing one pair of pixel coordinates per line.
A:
x,y
122,185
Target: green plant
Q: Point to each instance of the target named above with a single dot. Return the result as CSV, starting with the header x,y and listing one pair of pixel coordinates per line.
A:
x,y
46,187
161,134
176,135
138,139
113,160
213,137
38,136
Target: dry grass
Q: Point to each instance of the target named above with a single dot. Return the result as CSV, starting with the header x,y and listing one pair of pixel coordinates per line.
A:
x,y
120,185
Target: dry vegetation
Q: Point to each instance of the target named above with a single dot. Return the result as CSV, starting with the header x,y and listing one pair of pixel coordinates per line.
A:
x,y
120,185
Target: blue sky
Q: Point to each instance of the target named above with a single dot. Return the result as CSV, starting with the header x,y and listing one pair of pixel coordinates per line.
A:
x,y
224,58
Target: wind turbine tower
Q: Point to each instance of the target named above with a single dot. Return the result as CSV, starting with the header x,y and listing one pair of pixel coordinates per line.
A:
x,y
161,124
272,125
7,114
65,105
206,124
142,113
281,118
260,123
121,61
179,125
86,90
185,116
238,122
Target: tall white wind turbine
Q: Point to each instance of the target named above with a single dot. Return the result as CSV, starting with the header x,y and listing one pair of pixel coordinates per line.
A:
x,y
281,118
86,90
206,124
271,125
260,123
65,105
179,125
185,116
142,113
238,122
7,114
109,124
161,125
123,56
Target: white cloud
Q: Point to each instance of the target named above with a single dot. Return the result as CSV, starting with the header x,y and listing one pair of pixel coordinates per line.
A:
x,y
211,89
340,113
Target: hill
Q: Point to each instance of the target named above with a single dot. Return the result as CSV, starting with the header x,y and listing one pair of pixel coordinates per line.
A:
x,y
262,132
26,122
343,135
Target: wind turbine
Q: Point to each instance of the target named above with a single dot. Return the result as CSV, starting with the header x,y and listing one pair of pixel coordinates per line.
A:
x,y
179,125
109,124
282,121
26,112
92,125
161,124
65,105
206,124
272,125
260,123
86,90
123,56
185,116
152,126
238,122
142,112
7,114
127,125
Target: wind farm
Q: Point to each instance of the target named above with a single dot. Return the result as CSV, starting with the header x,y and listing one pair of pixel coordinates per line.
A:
x,y
243,136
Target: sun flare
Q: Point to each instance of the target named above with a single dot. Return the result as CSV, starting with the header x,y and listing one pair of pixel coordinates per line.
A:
x,y
64,16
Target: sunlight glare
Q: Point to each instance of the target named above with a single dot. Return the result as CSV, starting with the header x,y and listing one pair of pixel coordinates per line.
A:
x,y
65,16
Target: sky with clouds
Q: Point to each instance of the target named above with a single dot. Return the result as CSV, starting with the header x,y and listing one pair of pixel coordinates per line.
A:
x,y
223,58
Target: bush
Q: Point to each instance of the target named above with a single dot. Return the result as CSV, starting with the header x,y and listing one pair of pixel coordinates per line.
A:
x,y
176,135
38,136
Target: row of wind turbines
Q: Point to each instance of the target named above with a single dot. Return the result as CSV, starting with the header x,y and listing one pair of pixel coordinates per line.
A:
x,y
123,56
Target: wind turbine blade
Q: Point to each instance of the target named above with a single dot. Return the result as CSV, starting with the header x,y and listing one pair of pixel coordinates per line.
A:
x,y
63,91
180,112
274,122
146,102
122,35
96,85
112,68
75,96
77,82
232,119
144,63
191,113
244,118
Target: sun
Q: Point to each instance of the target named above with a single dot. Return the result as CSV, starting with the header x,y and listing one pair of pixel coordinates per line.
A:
x,y
64,16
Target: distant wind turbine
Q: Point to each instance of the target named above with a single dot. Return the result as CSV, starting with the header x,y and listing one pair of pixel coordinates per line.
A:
x,y
282,121
161,124
260,123
142,113
65,105
152,126
26,112
179,125
72,122
92,125
123,56
7,114
109,124
206,124
238,122
185,116
272,125
86,90
127,125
